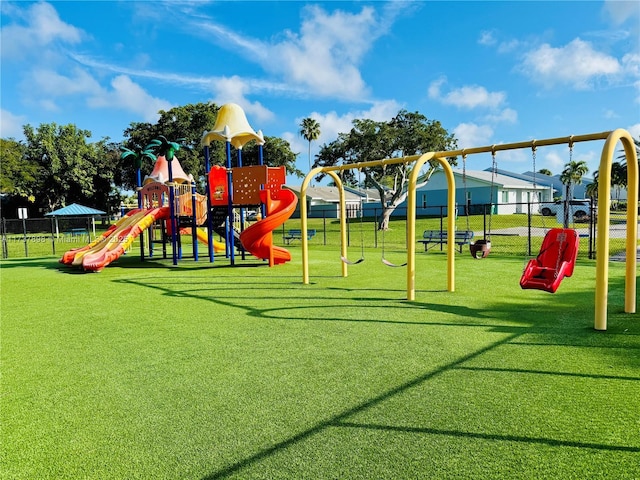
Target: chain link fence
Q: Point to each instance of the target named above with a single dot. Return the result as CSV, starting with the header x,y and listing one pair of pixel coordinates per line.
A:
x,y
518,234
36,237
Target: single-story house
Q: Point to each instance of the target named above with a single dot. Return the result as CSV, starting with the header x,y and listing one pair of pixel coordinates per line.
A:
x,y
559,189
324,201
478,188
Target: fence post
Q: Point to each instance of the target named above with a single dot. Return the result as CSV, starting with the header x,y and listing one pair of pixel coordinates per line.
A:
x,y
592,228
376,222
53,237
5,247
484,219
24,229
324,227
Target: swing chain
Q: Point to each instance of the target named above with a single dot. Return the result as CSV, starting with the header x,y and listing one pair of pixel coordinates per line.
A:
x,y
494,171
466,195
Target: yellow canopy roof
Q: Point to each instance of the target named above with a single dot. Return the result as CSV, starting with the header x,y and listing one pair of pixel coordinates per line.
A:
x,y
232,126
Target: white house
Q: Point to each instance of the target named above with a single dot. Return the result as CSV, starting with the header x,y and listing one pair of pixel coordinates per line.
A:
x,y
478,188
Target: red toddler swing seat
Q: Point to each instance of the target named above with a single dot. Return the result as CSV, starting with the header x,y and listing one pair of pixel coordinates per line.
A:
x,y
555,261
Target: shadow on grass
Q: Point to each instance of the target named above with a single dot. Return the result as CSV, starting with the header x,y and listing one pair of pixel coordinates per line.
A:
x,y
39,262
559,319
341,420
484,436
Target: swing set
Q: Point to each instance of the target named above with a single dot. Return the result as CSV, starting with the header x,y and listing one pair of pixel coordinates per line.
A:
x,y
611,139
558,253
343,256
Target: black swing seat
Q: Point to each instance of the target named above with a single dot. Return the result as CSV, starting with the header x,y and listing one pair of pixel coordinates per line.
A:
x,y
349,262
555,261
480,249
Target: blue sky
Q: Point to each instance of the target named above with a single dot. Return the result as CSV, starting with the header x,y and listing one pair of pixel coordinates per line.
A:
x,y
490,72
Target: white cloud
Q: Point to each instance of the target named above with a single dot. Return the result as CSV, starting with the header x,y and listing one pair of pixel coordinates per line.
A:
x,y
323,57
467,97
487,37
621,11
577,64
509,46
42,27
554,161
234,89
129,96
634,130
508,115
11,125
472,135
331,124
610,114
50,83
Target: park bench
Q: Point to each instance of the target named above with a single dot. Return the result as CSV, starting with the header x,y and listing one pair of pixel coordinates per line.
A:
x,y
437,237
77,232
297,235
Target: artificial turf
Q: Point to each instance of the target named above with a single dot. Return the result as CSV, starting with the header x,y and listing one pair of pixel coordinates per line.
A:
x,y
148,370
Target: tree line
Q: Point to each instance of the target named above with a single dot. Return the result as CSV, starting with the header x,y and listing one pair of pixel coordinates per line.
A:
x,y
56,165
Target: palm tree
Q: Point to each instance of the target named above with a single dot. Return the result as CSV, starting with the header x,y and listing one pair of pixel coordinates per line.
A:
x,y
310,131
572,175
165,147
168,149
592,188
138,154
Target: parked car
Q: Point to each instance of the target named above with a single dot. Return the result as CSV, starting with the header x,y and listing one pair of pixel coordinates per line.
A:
x,y
579,207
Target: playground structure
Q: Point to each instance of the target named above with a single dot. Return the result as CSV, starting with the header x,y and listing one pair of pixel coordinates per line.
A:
x,y
167,199
603,212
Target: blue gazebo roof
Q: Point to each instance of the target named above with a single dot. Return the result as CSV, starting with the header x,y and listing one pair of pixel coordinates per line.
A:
x,y
74,210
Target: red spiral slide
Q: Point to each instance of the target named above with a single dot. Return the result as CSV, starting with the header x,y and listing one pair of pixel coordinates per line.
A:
x,y
258,238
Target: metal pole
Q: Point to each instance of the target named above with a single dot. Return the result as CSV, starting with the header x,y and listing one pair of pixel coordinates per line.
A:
x,y
229,227
24,229
207,168
194,225
53,237
172,214
5,247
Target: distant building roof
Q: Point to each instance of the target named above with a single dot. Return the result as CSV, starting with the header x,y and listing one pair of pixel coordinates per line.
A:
x,y
327,194
497,178
74,210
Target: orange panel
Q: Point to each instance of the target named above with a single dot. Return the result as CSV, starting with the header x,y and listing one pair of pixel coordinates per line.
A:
x,y
218,186
246,184
276,178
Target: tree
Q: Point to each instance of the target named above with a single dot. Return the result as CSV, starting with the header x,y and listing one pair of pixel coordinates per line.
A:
x,y
405,134
276,153
69,169
592,188
107,161
545,171
17,177
618,179
572,175
190,122
137,155
310,131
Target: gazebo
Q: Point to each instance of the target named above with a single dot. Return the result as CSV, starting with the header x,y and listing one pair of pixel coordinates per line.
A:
x,y
76,210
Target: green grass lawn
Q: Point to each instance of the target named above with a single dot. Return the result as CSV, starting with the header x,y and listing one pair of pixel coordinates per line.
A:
x,y
150,371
